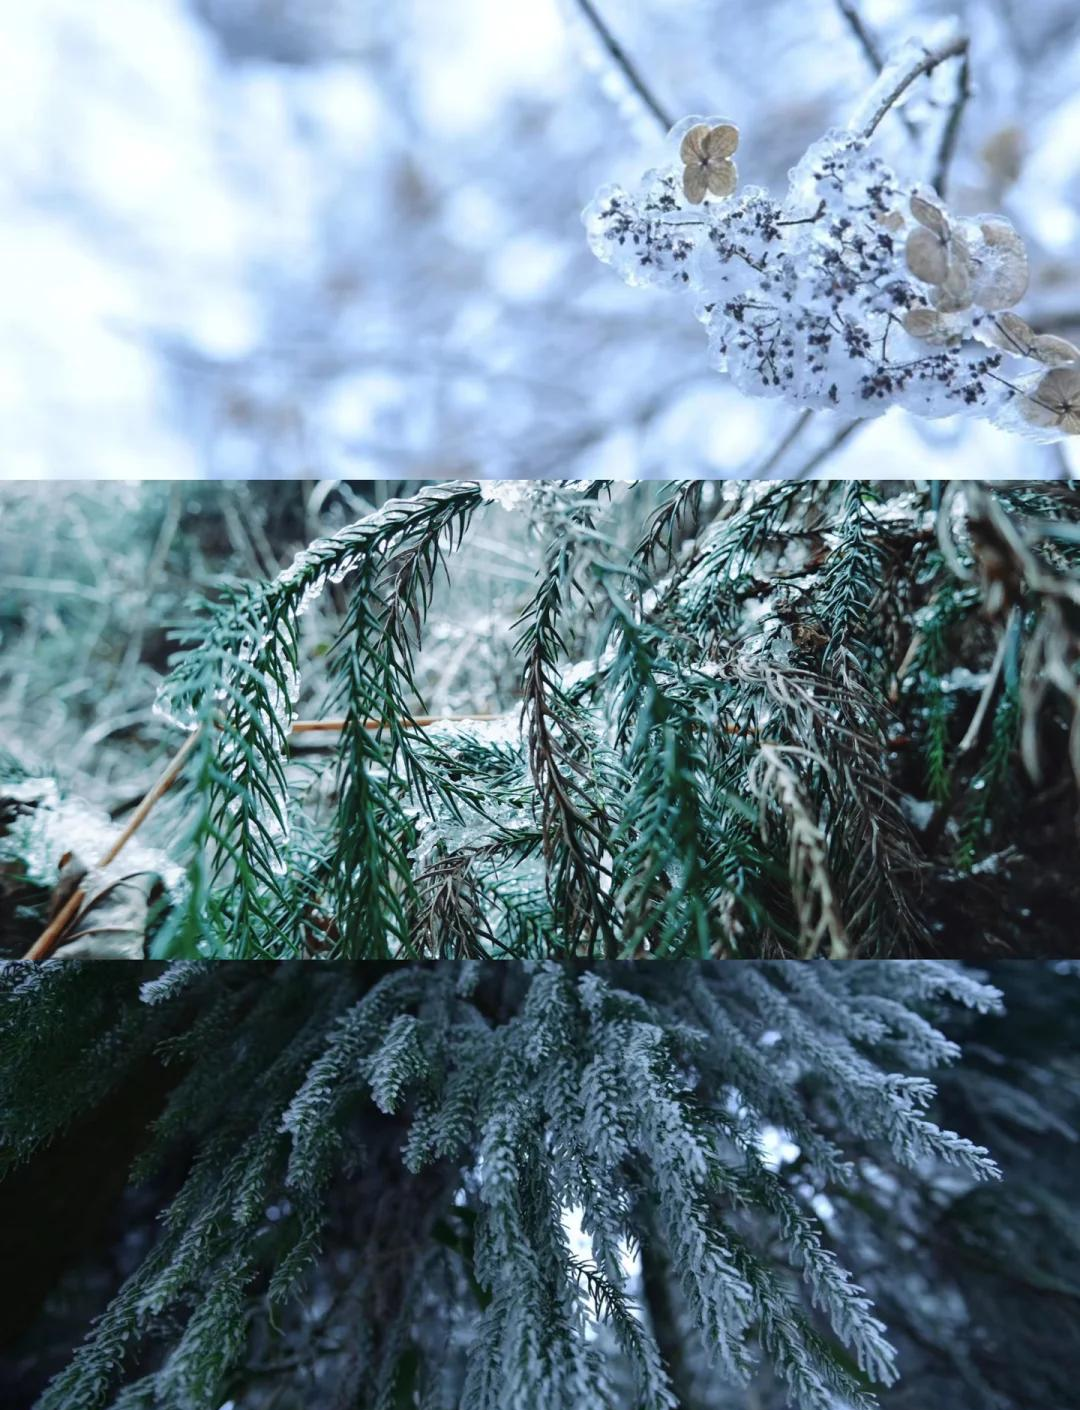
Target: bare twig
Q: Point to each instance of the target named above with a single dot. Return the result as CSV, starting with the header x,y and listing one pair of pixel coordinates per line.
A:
x,y
857,25
156,793
769,464
986,699
807,468
931,59
46,941
951,131
423,721
625,64
49,938
867,43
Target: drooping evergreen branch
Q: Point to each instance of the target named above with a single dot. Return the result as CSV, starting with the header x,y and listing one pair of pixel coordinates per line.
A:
x,y
566,756
374,668
421,1133
725,701
242,678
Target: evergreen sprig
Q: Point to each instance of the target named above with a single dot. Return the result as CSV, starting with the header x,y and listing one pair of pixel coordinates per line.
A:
x,y
756,719
435,1127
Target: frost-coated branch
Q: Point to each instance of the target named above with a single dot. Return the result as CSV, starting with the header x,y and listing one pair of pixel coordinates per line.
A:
x,y
852,16
897,86
747,712
858,290
448,1117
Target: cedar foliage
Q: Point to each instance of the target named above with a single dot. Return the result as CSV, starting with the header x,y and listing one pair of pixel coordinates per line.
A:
x,y
795,719
365,1174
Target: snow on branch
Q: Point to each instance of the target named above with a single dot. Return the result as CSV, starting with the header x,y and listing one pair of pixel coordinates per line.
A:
x,y
858,290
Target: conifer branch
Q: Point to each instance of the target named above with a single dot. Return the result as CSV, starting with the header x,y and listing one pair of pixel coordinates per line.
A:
x,y
681,645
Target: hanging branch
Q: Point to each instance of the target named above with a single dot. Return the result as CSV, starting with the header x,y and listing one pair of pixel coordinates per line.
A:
x,y
575,829
819,626
373,666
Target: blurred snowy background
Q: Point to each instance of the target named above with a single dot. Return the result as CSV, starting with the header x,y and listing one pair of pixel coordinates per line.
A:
x,y
339,239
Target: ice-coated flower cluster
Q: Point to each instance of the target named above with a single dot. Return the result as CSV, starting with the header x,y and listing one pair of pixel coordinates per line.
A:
x,y
856,292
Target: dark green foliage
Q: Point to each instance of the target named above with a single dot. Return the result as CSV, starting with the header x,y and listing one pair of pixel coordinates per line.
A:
x,y
750,720
369,1180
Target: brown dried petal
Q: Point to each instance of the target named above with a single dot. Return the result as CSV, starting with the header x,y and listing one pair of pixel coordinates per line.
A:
x,y
1056,401
723,178
695,183
955,291
889,220
1009,332
952,300
1003,277
1053,351
692,148
1004,155
1036,414
931,216
1062,386
930,326
720,142
926,257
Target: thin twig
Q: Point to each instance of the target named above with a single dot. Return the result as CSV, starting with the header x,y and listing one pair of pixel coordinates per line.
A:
x,y
626,65
423,721
807,219
769,464
48,939
855,22
974,729
858,28
808,467
158,791
951,131
930,60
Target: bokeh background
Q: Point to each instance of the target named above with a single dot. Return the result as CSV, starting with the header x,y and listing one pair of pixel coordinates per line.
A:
x,y
342,239
95,580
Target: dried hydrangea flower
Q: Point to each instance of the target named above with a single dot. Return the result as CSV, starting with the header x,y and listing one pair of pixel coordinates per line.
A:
x,y
1011,333
1055,402
800,296
931,325
706,152
985,265
928,252
1001,276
